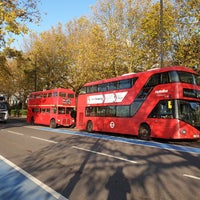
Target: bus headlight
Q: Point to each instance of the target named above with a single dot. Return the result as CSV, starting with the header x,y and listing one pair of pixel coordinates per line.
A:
x,y
196,136
6,115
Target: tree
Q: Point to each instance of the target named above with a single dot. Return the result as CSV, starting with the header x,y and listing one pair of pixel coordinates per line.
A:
x,y
15,82
150,40
14,16
47,57
118,19
85,53
186,46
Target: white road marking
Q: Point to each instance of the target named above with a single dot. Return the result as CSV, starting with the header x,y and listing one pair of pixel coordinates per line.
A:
x,y
16,133
104,154
33,179
38,138
190,176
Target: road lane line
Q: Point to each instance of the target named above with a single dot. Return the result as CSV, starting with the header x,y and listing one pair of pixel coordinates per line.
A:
x,y
190,176
104,154
38,138
16,133
45,187
153,144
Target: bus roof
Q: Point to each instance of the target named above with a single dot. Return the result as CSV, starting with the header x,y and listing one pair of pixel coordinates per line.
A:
x,y
148,72
53,90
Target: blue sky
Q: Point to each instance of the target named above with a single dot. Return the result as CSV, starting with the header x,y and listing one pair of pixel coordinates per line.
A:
x,y
62,11
58,11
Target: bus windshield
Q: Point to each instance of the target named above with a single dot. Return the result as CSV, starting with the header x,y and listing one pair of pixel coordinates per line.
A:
x,y
189,111
3,106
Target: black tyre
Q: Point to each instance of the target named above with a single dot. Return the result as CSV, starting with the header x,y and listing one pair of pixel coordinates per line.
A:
x,y
144,132
89,127
53,123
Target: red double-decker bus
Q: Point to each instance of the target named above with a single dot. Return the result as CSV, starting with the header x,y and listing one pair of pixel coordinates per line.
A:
x,y
51,107
159,103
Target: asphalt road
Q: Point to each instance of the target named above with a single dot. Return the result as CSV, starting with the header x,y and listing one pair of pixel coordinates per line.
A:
x,y
80,167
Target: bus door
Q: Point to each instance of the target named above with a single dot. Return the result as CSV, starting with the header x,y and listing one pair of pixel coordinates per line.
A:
x,y
162,119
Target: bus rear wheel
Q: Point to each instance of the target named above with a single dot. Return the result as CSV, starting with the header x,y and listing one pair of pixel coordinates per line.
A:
x,y
144,132
53,123
89,127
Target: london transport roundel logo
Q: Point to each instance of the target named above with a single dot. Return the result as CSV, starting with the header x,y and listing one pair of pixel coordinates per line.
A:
x,y
112,124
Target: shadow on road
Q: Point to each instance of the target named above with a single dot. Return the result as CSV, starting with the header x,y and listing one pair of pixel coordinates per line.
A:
x,y
118,185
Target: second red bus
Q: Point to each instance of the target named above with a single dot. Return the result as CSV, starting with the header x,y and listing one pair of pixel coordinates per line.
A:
x,y
52,107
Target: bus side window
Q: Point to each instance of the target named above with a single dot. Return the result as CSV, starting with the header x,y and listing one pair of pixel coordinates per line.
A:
x,y
123,84
102,87
70,96
111,111
113,85
173,77
55,94
61,110
123,111
165,78
37,110
198,80
153,81
54,110
92,89
164,109
91,111
62,94
83,90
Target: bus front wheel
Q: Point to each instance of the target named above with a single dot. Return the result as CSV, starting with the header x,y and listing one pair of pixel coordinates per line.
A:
x,y
89,126
144,132
52,123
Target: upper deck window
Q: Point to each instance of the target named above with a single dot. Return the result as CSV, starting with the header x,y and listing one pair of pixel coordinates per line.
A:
x,y
197,78
171,77
55,94
125,84
114,85
103,87
70,96
92,89
153,81
62,94
50,94
185,77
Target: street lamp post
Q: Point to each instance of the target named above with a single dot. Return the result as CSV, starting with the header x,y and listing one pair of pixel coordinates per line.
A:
x,y
35,78
161,35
